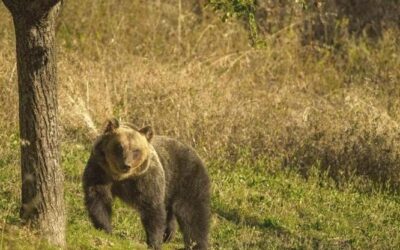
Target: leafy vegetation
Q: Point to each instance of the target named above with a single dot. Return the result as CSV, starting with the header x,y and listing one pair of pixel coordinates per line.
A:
x,y
245,9
300,135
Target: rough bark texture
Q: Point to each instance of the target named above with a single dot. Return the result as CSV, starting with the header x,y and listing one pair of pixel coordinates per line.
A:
x,y
42,178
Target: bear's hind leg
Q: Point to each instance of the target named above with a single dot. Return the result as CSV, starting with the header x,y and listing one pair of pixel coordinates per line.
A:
x,y
193,219
171,225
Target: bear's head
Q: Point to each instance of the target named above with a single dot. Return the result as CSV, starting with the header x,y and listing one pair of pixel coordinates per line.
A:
x,y
124,149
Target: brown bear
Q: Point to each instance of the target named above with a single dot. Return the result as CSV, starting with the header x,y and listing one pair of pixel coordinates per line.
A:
x,y
160,177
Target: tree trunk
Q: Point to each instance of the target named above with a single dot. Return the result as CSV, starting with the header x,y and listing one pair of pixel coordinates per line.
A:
x,y
42,178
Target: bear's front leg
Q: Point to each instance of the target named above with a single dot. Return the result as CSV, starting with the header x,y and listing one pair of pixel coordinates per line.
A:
x,y
98,197
153,219
98,203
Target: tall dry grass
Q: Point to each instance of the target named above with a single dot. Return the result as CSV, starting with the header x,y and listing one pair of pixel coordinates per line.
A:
x,y
202,82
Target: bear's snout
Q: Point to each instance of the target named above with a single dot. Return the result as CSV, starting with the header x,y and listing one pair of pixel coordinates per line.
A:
x,y
125,168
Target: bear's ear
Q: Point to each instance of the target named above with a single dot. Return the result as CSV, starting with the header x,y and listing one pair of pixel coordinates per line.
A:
x,y
110,125
147,132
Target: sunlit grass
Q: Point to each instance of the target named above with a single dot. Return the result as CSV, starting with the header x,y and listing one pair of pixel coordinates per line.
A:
x,y
254,206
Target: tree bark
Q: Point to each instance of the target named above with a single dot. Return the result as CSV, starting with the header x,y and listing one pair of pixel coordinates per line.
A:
x,y
42,178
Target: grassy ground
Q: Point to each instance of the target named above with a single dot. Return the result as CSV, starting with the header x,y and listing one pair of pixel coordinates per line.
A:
x,y
255,206
301,141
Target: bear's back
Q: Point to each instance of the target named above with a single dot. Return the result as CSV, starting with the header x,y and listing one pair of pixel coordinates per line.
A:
x,y
182,165
175,154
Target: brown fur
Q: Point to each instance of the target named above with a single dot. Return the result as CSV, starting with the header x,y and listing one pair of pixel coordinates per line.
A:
x,y
162,178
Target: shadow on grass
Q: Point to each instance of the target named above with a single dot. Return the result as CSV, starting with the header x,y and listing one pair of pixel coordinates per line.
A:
x,y
234,216
287,239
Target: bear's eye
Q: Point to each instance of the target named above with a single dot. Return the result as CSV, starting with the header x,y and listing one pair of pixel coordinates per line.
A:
x,y
136,153
118,148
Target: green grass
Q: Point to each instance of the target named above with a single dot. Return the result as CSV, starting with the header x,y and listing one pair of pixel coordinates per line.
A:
x,y
255,206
